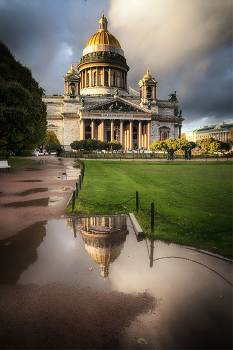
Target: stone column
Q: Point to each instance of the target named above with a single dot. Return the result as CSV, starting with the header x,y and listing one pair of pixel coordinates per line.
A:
x,y
128,140
82,129
112,129
139,134
179,131
125,138
99,132
121,132
148,135
130,134
92,129
102,130
97,76
145,136
85,78
109,77
91,82
103,78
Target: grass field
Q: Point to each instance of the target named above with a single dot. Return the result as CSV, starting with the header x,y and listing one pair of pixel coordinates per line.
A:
x,y
193,201
16,163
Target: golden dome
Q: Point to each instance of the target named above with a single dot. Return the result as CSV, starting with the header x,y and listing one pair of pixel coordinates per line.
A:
x,y
103,37
147,75
72,70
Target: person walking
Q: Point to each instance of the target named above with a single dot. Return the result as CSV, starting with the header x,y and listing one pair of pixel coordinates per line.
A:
x,y
168,153
185,153
171,153
189,153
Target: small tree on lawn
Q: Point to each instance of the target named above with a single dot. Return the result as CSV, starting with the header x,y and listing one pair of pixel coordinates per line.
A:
x,y
51,142
114,145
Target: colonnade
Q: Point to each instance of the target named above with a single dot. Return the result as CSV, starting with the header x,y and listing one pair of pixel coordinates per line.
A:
x,y
126,132
103,76
220,135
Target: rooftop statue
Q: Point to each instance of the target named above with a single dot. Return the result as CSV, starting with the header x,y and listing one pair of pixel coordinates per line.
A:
x,y
172,97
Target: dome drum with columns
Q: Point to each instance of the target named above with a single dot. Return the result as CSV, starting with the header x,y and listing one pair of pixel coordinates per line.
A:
x,y
97,103
103,66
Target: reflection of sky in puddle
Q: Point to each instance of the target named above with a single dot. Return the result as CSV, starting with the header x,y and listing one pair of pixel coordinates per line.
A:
x,y
195,301
40,202
43,189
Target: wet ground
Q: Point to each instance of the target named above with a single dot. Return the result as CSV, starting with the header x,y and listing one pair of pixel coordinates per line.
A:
x,y
91,283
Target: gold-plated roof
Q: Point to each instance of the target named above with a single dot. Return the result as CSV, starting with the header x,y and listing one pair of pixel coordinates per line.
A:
x,y
147,75
103,37
72,70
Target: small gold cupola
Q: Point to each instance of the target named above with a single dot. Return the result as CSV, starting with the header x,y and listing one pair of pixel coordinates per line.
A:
x,y
72,70
103,23
147,75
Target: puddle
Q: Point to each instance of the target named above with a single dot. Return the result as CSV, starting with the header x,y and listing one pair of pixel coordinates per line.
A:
x,y
33,169
41,202
43,189
32,191
30,181
102,256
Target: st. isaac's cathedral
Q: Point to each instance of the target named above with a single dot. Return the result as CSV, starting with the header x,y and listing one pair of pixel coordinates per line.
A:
x,y
97,102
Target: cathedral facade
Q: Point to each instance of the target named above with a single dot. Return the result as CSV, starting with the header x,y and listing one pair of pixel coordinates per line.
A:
x,y
97,102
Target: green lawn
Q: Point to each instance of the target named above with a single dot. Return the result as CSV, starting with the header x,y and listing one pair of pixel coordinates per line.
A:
x,y
16,163
197,197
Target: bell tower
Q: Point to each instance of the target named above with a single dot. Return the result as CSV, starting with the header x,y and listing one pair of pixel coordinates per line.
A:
x,y
72,82
147,87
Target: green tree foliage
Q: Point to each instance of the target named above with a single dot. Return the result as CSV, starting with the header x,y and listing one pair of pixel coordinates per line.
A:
x,y
22,112
93,145
114,145
51,141
177,144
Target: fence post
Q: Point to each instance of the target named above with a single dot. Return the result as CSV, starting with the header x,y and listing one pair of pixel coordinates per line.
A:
x,y
79,181
76,189
137,201
73,200
152,217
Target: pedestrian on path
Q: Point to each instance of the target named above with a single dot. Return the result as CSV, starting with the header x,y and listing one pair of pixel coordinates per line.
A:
x,y
171,153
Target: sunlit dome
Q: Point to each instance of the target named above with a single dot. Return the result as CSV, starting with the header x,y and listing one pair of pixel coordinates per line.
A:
x,y
72,70
103,37
147,75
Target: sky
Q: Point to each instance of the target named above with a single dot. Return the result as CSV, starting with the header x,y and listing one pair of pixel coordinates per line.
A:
x,y
186,44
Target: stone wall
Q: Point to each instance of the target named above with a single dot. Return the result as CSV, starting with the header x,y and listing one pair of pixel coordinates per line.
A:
x,y
71,125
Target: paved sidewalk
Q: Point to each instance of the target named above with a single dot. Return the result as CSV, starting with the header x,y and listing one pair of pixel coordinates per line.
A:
x,y
39,191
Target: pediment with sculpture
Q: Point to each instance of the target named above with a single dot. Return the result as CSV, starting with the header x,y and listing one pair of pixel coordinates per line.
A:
x,y
117,106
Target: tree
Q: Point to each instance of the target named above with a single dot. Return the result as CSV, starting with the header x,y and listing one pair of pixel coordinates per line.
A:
x,y
88,145
22,112
205,143
114,145
155,146
51,141
215,145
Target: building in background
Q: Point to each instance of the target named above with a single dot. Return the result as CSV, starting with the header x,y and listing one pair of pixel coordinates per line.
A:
x,y
97,102
220,132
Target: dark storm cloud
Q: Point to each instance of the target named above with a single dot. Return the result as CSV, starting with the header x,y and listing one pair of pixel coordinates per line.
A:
x,y
187,45
48,35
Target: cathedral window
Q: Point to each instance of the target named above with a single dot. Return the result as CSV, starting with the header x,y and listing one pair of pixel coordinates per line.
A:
x,y
87,132
99,78
113,79
149,92
106,78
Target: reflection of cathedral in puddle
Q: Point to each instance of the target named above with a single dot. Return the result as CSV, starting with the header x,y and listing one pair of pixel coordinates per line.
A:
x,y
104,238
